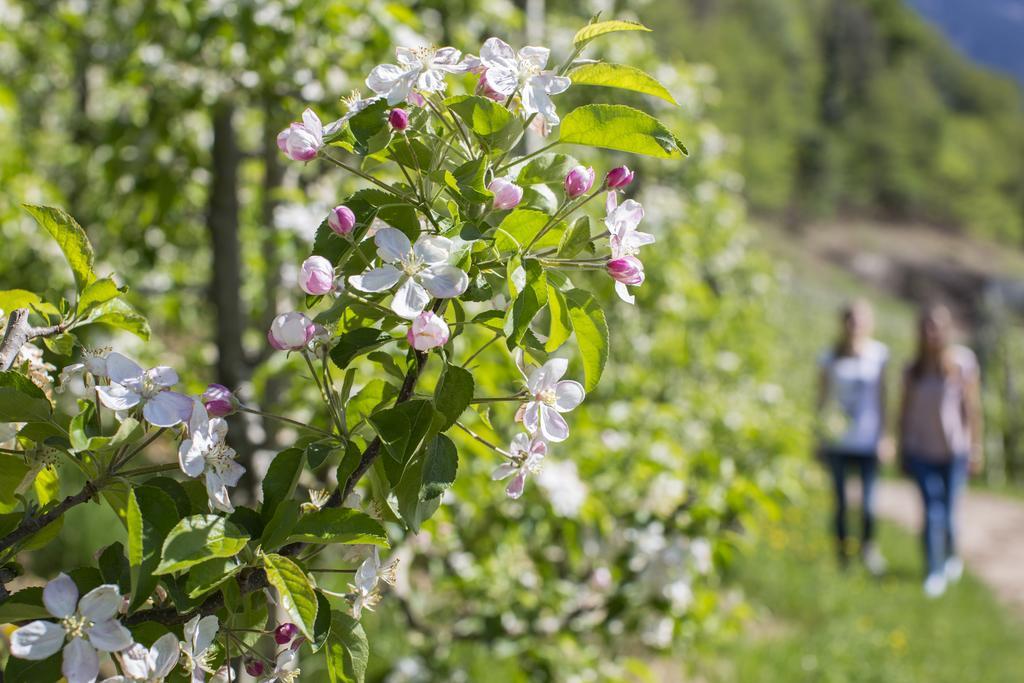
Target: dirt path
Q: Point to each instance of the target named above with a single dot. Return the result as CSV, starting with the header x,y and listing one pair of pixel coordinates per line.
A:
x,y
991,534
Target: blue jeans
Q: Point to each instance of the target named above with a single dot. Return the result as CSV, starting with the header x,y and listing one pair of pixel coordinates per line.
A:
x,y
941,484
867,465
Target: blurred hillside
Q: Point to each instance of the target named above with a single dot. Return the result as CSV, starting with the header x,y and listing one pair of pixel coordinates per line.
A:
x,y
857,106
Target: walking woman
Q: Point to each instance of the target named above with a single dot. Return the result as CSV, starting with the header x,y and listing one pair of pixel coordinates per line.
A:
x,y
851,408
940,437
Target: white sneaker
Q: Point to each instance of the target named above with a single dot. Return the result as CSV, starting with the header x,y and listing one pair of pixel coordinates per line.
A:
x,y
874,561
954,569
935,585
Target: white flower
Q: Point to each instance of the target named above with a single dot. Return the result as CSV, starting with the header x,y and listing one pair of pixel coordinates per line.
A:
x,y
195,649
364,593
206,451
624,238
421,68
527,454
422,269
130,386
94,363
508,72
285,669
550,396
148,666
87,624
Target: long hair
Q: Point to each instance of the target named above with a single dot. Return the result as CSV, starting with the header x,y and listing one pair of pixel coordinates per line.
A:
x,y
844,343
933,319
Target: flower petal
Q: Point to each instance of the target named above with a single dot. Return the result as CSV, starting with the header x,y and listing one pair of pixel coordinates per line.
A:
x,y
37,640
312,123
624,294
167,409
190,457
568,395
553,426
101,603
134,662
217,492
383,77
496,52
205,632
121,368
61,596
376,279
531,416
410,300
503,471
503,81
163,655
81,663
535,56
444,282
433,249
392,244
515,487
163,376
117,397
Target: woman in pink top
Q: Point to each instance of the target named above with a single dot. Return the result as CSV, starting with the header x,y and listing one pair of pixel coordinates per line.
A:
x,y
940,437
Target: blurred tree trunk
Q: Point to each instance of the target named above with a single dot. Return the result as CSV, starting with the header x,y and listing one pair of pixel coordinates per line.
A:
x,y
226,266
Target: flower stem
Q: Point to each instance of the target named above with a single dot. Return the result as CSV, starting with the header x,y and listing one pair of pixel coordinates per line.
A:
x,y
282,418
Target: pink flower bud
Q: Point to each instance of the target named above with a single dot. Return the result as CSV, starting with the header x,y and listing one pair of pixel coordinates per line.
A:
x,y
316,276
284,633
484,88
579,181
254,667
620,176
399,119
290,331
302,141
342,220
428,331
416,99
507,194
626,269
219,400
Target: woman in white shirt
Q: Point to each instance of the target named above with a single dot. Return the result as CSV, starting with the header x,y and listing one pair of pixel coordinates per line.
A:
x,y
851,409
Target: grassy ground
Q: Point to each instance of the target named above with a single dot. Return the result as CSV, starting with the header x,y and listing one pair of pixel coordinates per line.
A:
x,y
818,624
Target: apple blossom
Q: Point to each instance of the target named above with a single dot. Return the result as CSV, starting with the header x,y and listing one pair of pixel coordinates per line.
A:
x,y
302,141
196,649
428,331
286,668
398,119
484,88
508,72
316,276
152,665
507,194
550,396
527,454
254,667
364,593
421,68
92,366
619,177
87,624
578,181
625,240
342,220
420,270
206,452
219,400
290,331
284,633
131,386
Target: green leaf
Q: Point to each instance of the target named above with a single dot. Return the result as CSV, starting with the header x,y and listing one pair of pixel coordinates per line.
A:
x,y
318,451
12,472
62,344
370,128
151,515
376,393
546,169
469,179
113,565
490,121
22,298
347,650
529,301
600,28
24,605
519,228
440,466
206,576
616,126
33,670
561,326
588,322
575,239
622,77
121,315
276,531
356,342
71,239
322,625
197,539
279,483
294,591
98,292
338,525
453,394
21,400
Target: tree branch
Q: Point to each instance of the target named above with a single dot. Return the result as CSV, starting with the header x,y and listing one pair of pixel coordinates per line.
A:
x,y
31,525
19,333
